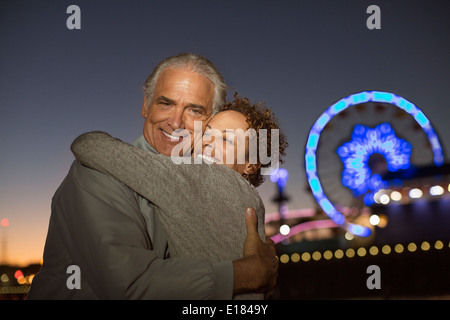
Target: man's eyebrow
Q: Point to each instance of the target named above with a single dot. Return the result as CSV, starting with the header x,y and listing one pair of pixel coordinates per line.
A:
x,y
171,101
197,106
165,99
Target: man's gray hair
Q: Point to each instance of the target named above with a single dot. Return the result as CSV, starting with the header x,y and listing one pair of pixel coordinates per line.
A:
x,y
196,63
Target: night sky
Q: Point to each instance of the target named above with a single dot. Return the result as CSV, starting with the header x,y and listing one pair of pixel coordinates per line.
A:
x,y
300,57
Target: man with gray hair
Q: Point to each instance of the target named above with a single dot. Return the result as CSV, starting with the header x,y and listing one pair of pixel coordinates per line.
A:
x,y
113,235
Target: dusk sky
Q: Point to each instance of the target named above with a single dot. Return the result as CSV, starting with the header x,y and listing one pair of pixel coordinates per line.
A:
x,y
299,56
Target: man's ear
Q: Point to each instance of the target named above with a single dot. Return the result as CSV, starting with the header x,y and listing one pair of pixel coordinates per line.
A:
x,y
144,110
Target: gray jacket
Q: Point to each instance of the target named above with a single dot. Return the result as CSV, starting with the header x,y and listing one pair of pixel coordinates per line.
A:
x,y
117,240
201,206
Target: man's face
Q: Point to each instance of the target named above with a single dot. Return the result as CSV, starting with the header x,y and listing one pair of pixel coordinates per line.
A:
x,y
180,98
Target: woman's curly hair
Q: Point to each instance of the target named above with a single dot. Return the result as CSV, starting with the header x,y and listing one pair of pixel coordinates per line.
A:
x,y
259,117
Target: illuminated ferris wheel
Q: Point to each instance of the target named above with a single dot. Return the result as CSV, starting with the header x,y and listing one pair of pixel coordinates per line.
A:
x,y
359,139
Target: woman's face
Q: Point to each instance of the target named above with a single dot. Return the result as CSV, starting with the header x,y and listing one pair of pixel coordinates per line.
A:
x,y
224,142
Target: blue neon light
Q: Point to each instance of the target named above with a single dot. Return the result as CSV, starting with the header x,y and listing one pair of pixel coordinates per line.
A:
x,y
326,204
421,119
310,161
383,97
406,105
365,142
337,107
359,230
322,121
279,176
389,147
315,186
313,140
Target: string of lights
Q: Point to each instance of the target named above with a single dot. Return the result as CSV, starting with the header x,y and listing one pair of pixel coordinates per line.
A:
x,y
386,249
407,194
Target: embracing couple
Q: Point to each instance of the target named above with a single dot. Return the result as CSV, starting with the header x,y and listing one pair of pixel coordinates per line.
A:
x,y
140,226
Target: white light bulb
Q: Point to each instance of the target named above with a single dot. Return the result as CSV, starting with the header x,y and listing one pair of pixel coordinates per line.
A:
x,y
285,229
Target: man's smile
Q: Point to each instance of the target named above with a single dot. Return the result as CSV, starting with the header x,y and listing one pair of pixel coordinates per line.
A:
x,y
175,136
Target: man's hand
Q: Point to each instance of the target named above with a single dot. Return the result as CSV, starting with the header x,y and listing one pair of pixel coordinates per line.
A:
x,y
258,270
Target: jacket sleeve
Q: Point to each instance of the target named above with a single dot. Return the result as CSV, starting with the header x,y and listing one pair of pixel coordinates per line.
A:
x,y
152,175
102,227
